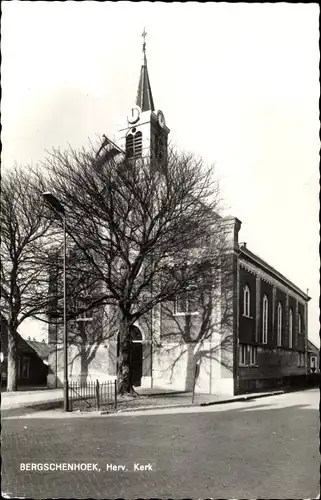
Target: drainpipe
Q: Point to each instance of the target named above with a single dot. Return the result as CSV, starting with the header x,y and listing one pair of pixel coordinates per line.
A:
x,y
306,336
236,324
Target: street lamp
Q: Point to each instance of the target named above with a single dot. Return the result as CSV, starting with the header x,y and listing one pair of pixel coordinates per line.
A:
x,y
58,208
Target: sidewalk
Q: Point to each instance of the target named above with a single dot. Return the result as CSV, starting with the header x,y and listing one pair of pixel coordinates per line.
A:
x,y
29,397
50,401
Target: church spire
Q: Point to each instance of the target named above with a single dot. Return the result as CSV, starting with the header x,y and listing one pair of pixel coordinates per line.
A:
x,y
144,97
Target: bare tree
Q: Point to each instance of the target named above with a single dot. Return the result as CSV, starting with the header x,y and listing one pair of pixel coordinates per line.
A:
x,y
89,322
202,331
24,256
147,233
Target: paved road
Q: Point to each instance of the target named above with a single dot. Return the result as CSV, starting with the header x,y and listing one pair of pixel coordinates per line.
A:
x,y
261,449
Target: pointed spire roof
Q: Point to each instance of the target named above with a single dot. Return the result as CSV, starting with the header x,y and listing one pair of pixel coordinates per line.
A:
x,y
144,97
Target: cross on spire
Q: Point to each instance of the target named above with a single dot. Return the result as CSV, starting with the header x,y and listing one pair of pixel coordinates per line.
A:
x,y
144,43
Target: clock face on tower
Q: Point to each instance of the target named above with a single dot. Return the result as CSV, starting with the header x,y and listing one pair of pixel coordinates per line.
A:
x,y
133,115
161,118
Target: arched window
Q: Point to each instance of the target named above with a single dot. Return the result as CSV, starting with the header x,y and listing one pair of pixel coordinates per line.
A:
x,y
290,328
134,144
246,301
299,324
265,319
279,325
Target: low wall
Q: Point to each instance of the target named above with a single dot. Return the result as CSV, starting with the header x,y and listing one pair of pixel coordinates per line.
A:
x,y
277,383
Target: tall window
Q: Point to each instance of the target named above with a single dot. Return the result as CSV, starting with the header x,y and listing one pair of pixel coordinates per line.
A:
x,y
78,306
25,367
187,303
290,328
265,319
134,144
279,325
300,324
253,355
246,301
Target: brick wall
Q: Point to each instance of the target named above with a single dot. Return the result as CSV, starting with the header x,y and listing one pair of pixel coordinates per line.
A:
x,y
273,362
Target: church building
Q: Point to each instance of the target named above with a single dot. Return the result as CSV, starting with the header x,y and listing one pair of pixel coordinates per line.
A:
x,y
267,341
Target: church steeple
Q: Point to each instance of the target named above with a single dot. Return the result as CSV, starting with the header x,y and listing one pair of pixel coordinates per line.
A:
x,y
145,134
144,98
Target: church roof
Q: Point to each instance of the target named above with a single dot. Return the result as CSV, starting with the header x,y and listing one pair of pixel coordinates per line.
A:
x,y
248,255
144,97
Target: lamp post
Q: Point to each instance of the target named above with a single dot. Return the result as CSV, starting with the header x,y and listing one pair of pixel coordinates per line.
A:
x,y
58,208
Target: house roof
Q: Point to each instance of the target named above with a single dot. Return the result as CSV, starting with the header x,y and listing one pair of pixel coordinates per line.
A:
x,y
312,347
23,345
43,350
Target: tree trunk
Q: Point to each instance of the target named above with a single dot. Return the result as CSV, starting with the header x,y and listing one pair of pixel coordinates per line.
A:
x,y
124,385
190,368
83,366
12,372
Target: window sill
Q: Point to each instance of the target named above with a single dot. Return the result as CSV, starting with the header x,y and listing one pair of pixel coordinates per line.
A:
x,y
186,314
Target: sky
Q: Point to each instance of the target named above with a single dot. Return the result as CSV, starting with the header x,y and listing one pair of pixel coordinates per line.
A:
x,y
238,85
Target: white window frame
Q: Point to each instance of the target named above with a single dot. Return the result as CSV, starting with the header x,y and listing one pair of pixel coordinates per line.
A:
x,y
253,355
301,359
299,324
290,328
265,319
246,301
187,301
279,324
85,315
243,357
25,364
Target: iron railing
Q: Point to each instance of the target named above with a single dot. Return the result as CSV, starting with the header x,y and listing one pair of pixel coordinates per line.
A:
x,y
93,394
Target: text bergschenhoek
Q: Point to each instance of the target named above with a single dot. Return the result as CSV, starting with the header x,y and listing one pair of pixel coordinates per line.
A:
x,y
59,466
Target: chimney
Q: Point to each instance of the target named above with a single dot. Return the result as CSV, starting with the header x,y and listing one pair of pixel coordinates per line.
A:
x,y
34,339
29,338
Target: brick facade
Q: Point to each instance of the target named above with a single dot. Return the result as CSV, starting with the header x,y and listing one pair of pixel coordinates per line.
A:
x,y
273,362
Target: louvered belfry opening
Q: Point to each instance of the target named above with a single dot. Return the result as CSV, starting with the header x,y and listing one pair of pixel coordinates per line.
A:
x,y
134,145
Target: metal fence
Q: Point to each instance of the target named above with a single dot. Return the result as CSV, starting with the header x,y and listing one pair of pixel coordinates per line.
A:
x,y
92,394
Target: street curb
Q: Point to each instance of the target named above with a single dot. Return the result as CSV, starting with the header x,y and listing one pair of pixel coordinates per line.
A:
x,y
193,405
146,408
242,398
